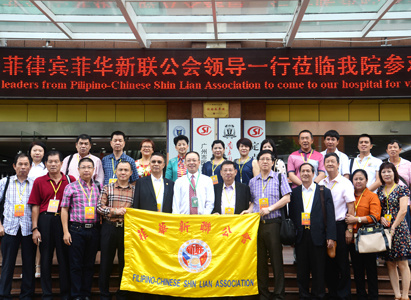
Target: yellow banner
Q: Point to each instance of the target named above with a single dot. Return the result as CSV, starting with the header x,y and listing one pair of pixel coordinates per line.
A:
x,y
190,256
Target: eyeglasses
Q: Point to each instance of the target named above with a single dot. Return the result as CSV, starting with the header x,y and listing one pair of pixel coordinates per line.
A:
x,y
146,147
157,162
265,159
86,168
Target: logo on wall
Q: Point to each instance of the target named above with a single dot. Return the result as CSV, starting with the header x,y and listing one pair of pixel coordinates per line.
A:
x,y
229,131
194,256
255,131
179,130
204,130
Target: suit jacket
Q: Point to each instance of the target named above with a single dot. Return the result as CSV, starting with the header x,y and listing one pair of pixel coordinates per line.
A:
x,y
242,197
172,167
145,197
319,234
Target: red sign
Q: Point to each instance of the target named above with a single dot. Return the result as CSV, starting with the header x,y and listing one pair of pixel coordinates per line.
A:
x,y
255,131
204,130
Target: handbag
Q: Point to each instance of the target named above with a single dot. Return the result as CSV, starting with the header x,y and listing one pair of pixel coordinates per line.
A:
x,y
330,251
373,238
287,229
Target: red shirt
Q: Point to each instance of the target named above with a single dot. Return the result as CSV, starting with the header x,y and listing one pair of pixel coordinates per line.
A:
x,y
43,191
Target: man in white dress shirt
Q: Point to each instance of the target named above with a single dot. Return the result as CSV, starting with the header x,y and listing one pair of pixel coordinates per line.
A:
x,y
331,141
194,192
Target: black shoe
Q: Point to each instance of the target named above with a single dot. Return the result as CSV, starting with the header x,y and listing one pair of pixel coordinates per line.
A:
x,y
87,298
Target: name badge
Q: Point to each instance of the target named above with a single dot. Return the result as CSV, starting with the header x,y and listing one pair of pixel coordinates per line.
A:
x,y
388,217
112,180
158,207
215,179
53,206
194,202
263,202
19,210
229,210
89,213
305,219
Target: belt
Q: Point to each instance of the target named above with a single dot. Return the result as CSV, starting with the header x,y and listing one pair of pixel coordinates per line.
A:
x,y
116,224
341,221
84,225
50,213
269,221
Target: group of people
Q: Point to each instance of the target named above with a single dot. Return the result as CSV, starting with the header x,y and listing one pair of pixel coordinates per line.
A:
x,y
76,206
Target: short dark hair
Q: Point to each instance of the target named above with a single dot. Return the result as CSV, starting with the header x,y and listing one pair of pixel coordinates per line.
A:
x,y
22,155
388,165
125,162
117,132
85,159
194,153
180,138
307,164
266,152
83,136
305,130
147,141
245,142
228,162
332,154
365,135
53,153
158,154
392,142
271,142
332,133
215,143
360,171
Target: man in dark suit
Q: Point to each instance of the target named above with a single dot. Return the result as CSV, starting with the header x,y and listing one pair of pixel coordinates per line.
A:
x,y
154,192
230,197
313,236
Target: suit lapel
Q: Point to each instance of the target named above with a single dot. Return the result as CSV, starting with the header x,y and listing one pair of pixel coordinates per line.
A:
x,y
151,188
217,202
317,199
237,200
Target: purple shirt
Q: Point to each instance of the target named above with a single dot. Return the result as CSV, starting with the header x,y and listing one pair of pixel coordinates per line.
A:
x,y
75,199
271,191
297,158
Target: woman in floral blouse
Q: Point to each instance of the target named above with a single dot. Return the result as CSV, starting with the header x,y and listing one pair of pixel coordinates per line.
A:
x,y
143,166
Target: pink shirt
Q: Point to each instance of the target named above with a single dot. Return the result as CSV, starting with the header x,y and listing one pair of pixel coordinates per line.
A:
x,y
404,170
297,158
73,168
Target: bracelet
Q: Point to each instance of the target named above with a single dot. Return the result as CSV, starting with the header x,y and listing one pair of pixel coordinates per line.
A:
x,y
34,229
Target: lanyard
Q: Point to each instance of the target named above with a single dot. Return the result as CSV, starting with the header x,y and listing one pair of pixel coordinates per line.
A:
x,y
262,183
56,190
161,185
309,200
308,157
213,169
194,188
398,164
91,193
387,195
226,195
18,191
333,185
358,203
241,168
114,170
360,167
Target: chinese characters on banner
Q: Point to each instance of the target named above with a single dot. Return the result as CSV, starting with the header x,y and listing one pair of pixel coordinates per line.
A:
x,y
203,137
205,73
255,131
181,255
176,128
229,131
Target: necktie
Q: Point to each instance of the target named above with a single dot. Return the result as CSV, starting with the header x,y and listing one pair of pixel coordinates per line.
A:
x,y
193,210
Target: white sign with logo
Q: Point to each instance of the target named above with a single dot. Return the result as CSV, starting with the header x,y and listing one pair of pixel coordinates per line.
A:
x,y
255,131
176,128
229,131
203,137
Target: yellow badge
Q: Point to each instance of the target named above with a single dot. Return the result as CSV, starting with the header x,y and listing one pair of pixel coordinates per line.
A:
x,y
158,207
19,210
263,202
215,179
305,219
112,180
89,213
388,217
53,206
229,211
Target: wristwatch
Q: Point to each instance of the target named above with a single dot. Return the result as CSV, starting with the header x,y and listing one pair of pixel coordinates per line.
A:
x,y
349,230
269,209
359,220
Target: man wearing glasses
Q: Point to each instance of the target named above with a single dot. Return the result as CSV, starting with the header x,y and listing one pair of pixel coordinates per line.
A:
x,y
266,199
194,192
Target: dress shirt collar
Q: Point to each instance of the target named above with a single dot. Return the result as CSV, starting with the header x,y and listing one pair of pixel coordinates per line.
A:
x,y
196,174
365,157
84,184
229,187
271,174
110,156
402,161
310,188
63,177
337,179
155,179
336,152
116,185
14,178
301,151
79,156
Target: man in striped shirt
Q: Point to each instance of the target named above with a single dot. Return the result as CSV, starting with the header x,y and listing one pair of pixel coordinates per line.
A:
x,y
114,199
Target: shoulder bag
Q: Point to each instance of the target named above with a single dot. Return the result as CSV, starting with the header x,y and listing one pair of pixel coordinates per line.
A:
x,y
373,238
330,251
287,229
